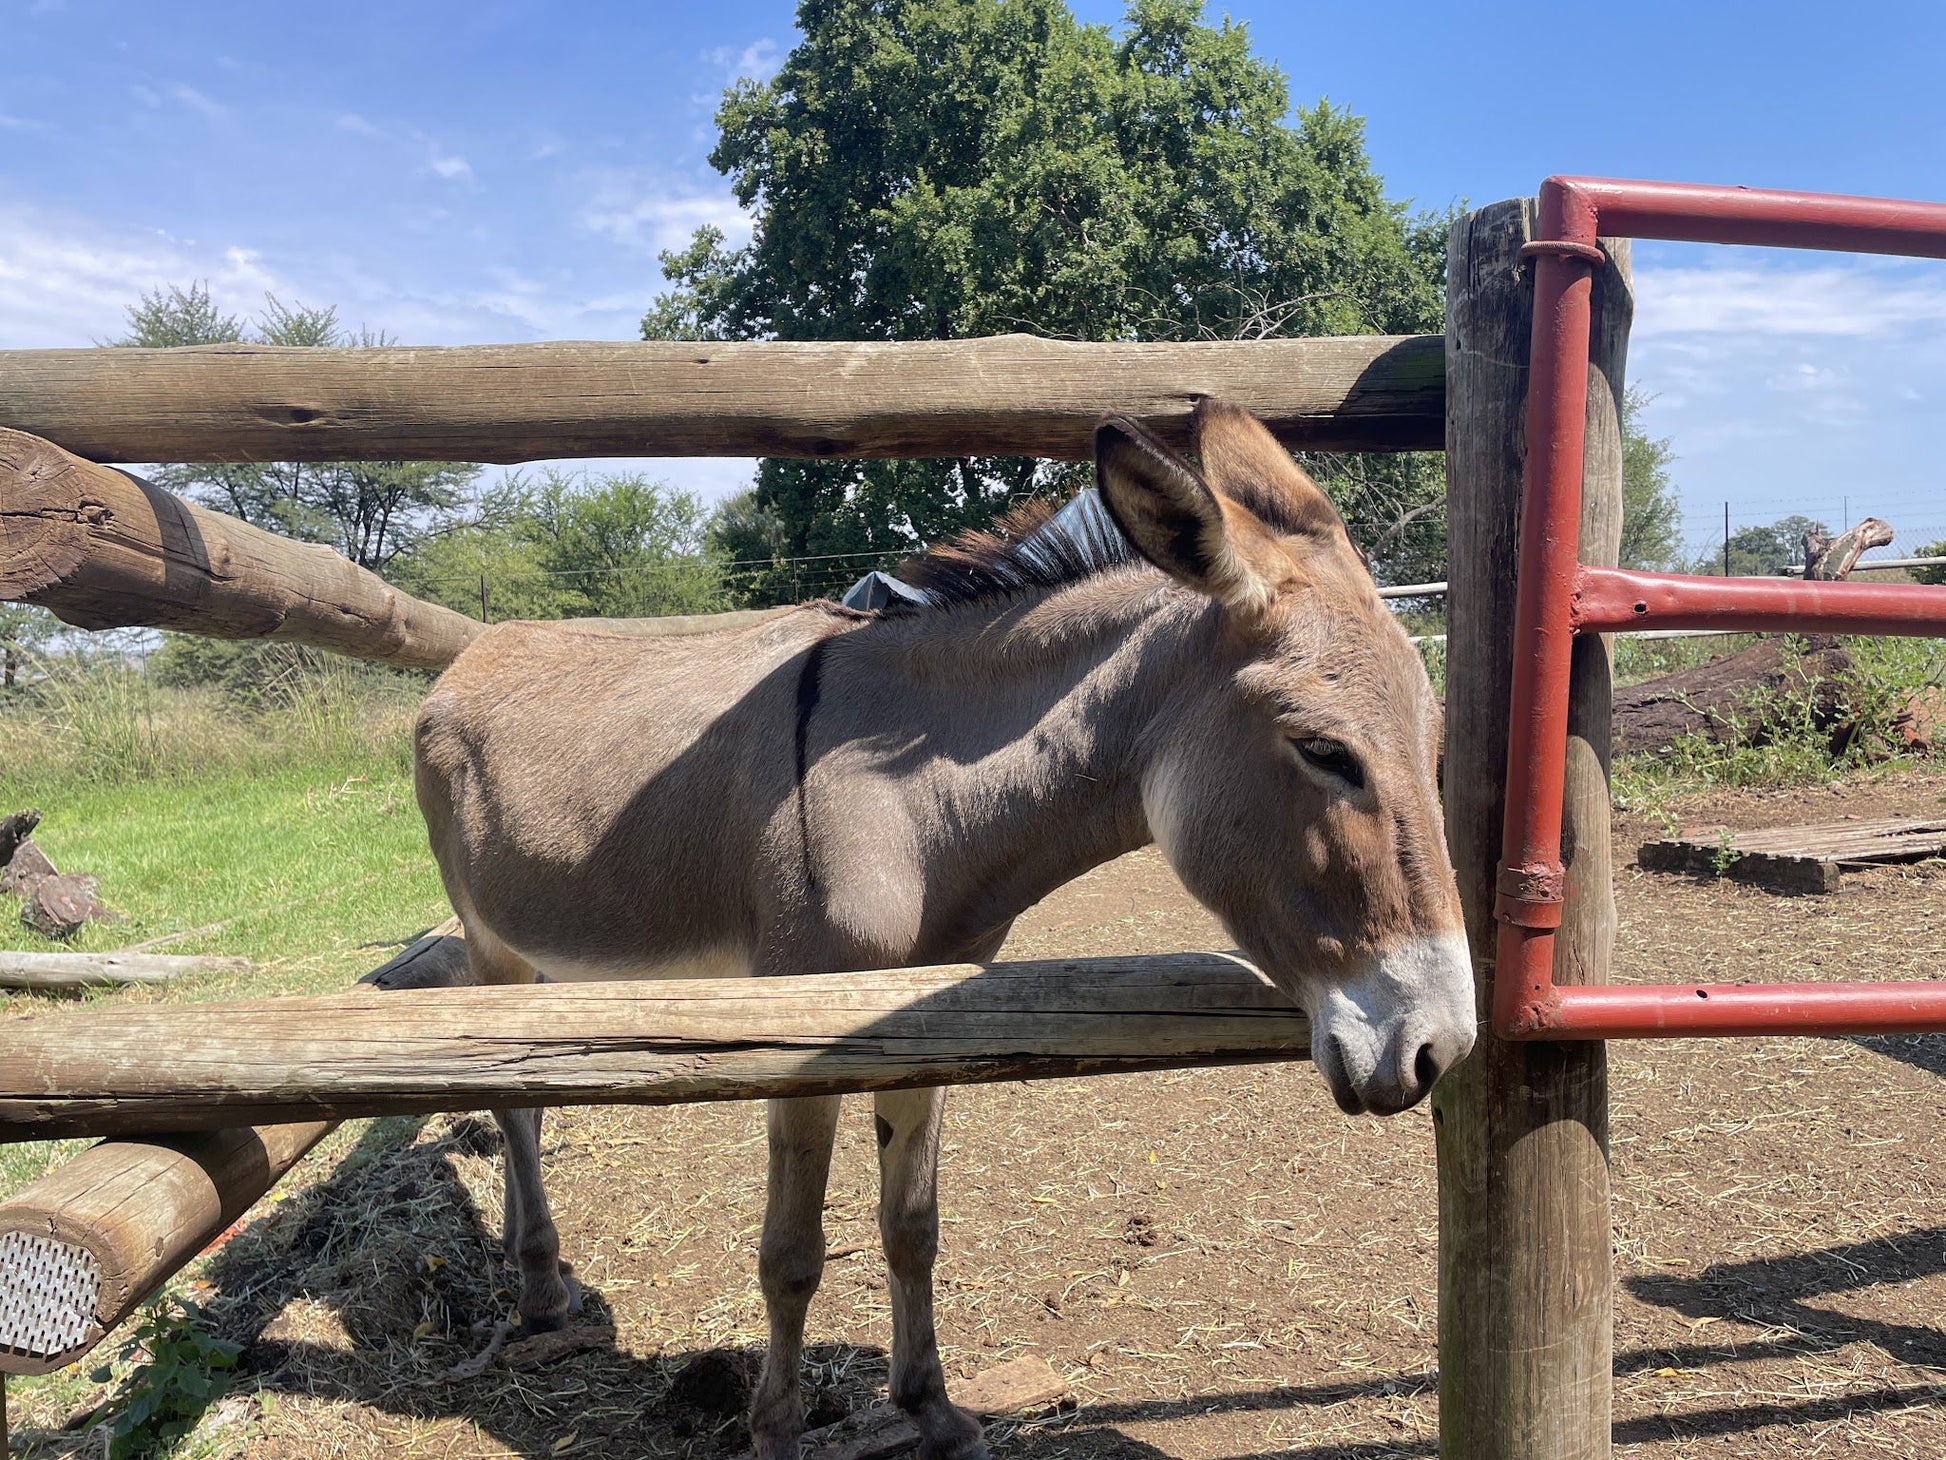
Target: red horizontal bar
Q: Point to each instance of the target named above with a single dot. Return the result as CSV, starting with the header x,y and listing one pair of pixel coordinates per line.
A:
x,y
1667,1011
1705,213
1609,599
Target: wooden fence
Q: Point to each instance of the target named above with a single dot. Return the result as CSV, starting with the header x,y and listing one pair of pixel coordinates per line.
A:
x,y
1524,1293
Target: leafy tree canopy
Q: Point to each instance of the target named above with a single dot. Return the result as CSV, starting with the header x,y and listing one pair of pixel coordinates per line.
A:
x,y
369,511
559,546
1761,551
931,169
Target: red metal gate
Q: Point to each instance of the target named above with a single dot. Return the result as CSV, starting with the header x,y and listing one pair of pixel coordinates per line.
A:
x,y
1559,597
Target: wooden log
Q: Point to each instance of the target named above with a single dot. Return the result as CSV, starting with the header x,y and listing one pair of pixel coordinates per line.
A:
x,y
58,906
15,828
92,970
1778,871
1745,697
1525,1289
87,1243
104,549
82,1247
1009,395
1828,558
369,1052
25,869
436,960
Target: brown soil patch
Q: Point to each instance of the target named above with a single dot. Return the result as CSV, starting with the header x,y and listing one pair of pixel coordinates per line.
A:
x,y
1220,1263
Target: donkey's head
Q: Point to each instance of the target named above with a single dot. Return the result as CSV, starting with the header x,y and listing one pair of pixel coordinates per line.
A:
x,y
1293,784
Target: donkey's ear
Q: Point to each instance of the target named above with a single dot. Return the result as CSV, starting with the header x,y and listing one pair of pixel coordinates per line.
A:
x,y
1175,521
1245,463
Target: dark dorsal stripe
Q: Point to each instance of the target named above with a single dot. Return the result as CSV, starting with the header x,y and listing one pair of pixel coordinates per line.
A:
x,y
810,688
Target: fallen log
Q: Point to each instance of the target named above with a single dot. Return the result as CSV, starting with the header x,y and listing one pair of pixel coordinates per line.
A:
x,y
104,549
1747,697
367,1052
82,1247
92,970
1007,395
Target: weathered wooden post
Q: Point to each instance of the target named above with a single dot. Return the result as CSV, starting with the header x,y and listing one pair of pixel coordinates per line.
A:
x,y
1525,1279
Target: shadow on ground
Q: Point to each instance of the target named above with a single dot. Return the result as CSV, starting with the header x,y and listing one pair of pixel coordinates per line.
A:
x,y
369,1288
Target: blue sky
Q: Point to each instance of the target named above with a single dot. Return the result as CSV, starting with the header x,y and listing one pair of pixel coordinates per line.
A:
x,y
461,173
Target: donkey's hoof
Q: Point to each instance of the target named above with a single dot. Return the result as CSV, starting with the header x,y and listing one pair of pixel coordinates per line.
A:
x,y
947,1432
552,1317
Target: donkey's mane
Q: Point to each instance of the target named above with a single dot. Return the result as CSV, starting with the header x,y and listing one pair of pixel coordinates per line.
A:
x,y
1033,547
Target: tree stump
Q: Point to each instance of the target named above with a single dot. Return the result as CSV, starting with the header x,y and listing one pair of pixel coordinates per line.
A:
x,y
59,905
14,830
1827,559
27,868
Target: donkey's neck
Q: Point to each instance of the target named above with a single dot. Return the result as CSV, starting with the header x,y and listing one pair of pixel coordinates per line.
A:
x,y
1022,738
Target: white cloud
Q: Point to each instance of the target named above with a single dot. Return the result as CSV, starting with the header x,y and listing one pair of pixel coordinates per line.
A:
x,y
23,124
1836,299
352,122
183,95
1805,377
758,60
68,282
450,166
197,102
652,214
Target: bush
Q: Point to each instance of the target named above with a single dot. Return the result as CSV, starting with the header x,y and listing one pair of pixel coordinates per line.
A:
x,y
181,1369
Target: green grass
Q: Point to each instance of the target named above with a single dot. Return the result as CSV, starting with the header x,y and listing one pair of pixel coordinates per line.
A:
x,y
293,829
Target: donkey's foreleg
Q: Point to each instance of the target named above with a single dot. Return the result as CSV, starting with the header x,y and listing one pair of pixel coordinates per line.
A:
x,y
790,1263
908,1221
546,1296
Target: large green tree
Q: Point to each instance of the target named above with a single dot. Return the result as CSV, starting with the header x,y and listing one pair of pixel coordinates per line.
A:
x,y
371,511
930,169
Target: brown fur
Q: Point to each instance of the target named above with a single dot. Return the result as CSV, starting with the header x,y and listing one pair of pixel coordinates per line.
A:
x,y
829,792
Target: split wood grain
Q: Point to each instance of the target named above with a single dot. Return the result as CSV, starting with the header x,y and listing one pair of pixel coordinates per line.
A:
x,y
104,549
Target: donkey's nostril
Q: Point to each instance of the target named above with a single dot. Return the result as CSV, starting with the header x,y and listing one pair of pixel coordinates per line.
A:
x,y
1426,1067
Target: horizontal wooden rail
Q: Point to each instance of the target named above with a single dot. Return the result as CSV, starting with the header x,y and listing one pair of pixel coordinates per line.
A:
x,y
104,549
1008,395
190,1067
91,1240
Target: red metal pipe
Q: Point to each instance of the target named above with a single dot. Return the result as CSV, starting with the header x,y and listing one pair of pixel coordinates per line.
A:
x,y
1701,213
1652,1011
1608,599
1530,880
1556,597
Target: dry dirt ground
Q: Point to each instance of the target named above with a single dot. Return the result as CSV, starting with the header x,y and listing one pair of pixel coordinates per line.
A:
x,y
1219,1261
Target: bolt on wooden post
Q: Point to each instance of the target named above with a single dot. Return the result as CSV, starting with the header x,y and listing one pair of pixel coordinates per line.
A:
x,y
1525,1267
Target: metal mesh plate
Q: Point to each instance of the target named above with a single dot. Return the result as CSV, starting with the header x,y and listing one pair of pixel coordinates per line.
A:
x,y
48,1291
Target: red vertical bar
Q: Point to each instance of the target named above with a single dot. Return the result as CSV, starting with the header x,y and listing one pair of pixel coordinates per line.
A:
x,y
1530,878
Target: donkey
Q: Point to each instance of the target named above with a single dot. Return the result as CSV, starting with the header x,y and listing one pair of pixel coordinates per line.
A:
x,y
832,790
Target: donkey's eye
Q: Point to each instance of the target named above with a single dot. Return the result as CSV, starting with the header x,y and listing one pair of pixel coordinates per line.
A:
x,y
1333,759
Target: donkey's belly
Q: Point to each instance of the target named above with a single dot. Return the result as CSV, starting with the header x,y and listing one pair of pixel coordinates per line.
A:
x,y
707,963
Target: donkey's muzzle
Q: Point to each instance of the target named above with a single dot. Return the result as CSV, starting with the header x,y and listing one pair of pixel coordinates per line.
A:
x,y
1383,1039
